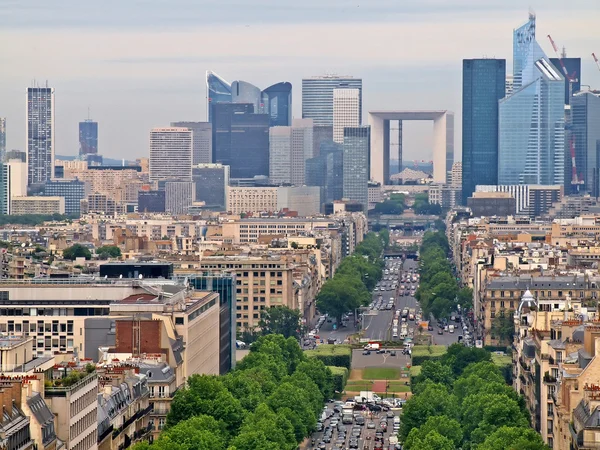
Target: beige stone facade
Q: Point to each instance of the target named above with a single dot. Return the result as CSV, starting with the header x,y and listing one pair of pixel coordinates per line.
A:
x,y
37,205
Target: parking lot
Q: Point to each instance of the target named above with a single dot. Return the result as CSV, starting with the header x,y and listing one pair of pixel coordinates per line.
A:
x,y
340,435
360,361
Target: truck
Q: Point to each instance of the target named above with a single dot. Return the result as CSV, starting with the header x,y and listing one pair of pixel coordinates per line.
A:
x,y
367,396
372,346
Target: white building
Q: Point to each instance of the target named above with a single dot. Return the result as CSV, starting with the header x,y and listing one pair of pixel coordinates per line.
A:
x,y
251,199
18,177
37,205
306,200
179,196
201,140
375,195
455,175
39,129
289,148
171,153
346,111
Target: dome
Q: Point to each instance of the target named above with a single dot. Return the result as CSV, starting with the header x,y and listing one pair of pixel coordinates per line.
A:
x,y
527,301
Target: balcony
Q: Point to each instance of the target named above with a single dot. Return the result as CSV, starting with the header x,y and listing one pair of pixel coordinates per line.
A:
x,y
549,379
526,367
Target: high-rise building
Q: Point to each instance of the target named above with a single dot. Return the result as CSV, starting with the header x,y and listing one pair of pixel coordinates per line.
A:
x,y
509,84
526,51
356,149
321,134
455,175
179,196
2,138
5,193
241,139
201,140
584,136
531,200
171,154
73,192
289,148
302,148
484,83
346,112
317,97
217,91
88,138
244,92
326,171
18,177
573,67
277,103
151,201
16,154
212,182
40,134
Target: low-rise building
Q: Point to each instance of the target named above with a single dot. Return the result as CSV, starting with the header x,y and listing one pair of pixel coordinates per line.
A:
x,y
37,205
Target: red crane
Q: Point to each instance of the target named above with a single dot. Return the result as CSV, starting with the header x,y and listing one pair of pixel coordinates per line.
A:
x,y
596,59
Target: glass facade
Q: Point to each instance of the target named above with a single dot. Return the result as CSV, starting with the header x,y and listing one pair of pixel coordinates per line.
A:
x,y
40,134
317,97
217,91
483,85
356,149
2,139
244,92
277,103
201,140
326,171
525,51
88,138
211,182
573,66
584,135
241,139
72,190
4,188
531,131
151,201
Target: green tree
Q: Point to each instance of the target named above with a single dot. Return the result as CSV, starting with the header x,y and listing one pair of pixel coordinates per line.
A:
x,y
286,351
252,440
341,294
276,427
458,357
443,425
319,373
251,386
76,251
108,251
280,320
431,441
196,433
385,237
465,298
295,404
435,372
513,438
503,326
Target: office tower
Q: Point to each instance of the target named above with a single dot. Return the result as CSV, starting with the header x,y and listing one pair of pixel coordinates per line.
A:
x,y
2,138
212,182
171,154
584,137
356,149
40,134
484,83
526,51
88,138
455,175
326,170
16,154
304,200
201,140
241,139
317,97
346,113
289,148
531,200
280,155
217,91
573,67
151,201
18,177
179,196
321,134
277,103
509,84
73,191
5,193
244,92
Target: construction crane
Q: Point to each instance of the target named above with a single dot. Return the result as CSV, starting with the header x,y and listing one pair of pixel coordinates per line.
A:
x,y
596,59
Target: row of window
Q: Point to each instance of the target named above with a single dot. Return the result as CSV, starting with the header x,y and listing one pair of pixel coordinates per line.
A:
x,y
83,424
511,294
87,399
88,442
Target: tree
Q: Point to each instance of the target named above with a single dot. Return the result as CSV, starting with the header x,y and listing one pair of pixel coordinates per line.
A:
x,y
458,357
465,298
385,237
434,371
513,438
280,320
276,427
443,425
251,386
294,403
197,433
503,326
108,251
319,373
340,295
431,441
76,251
251,440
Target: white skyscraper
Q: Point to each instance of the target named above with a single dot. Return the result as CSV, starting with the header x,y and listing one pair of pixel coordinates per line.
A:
x,y
317,96
171,154
346,112
40,134
289,148
302,148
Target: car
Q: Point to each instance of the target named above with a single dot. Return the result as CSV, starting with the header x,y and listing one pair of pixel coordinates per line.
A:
x,y
390,414
327,438
380,351
334,422
383,425
393,353
319,427
429,328
371,425
373,407
366,352
440,331
353,443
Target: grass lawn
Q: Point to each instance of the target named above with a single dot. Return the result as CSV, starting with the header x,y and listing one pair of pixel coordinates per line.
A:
x,y
381,373
415,370
501,360
429,350
395,390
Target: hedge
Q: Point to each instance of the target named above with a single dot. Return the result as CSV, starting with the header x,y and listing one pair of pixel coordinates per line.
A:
x,y
340,377
498,348
422,353
332,355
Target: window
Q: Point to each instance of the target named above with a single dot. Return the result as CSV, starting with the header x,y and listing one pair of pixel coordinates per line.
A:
x,y
502,294
179,320
493,294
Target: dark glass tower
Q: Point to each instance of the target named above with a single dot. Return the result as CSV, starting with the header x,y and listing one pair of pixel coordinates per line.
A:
x,y
277,103
584,135
217,91
240,139
573,66
484,83
88,138
326,171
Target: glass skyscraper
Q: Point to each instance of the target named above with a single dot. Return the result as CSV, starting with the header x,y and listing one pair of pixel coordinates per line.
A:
x,y
212,181
40,134
356,147
584,135
244,92
317,97
573,66
217,90
326,171
483,85
277,103
526,51
88,138
2,138
72,190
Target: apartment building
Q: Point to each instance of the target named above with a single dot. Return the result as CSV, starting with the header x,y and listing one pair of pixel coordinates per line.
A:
x,y
249,230
37,205
242,200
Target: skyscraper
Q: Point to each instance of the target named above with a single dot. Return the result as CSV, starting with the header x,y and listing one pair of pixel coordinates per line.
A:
x,y
212,182
289,148
241,139
88,138
201,140
179,196
217,91
244,92
484,82
5,193
2,138
356,149
346,112
40,134
171,154
277,103
317,97
302,148
326,171
73,192
584,136
573,67
526,51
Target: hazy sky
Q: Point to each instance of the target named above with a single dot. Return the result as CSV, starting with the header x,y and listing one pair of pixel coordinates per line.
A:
x,y
138,64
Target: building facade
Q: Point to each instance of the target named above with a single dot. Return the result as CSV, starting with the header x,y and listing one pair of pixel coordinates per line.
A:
x,y
356,164
179,196
212,183
280,153
37,205
584,138
152,201
277,103
171,154
326,170
88,138
317,97
73,192
2,138
483,85
217,91
5,189
531,200
201,140
40,134
241,200
346,111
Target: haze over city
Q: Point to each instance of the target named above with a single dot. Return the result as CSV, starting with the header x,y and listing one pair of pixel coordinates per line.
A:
x,y
141,65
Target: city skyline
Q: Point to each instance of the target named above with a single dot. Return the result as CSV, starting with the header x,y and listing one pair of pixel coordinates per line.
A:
x,y
150,63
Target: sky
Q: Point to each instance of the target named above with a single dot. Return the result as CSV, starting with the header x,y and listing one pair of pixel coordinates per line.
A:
x,y
138,64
